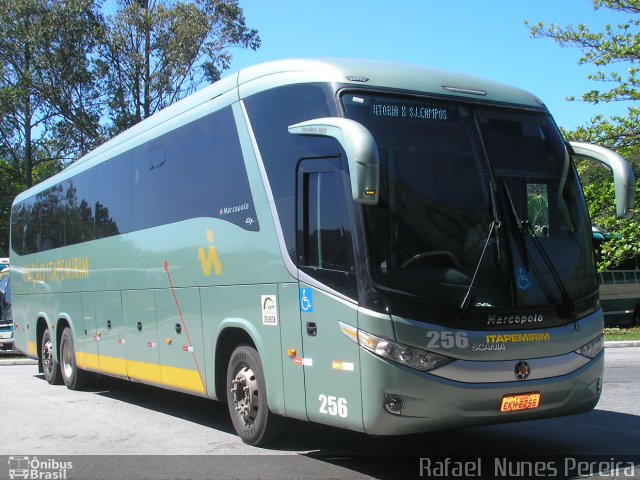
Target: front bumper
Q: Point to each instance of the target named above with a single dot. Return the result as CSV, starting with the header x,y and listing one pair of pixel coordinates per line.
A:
x,y
432,403
7,345
6,338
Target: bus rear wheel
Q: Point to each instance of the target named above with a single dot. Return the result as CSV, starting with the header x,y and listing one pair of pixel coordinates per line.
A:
x,y
247,399
73,377
50,366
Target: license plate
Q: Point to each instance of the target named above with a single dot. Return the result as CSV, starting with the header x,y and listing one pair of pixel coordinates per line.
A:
x,y
525,401
6,335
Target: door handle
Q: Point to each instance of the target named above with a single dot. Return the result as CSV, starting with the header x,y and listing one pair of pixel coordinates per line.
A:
x,y
178,328
109,324
139,326
312,329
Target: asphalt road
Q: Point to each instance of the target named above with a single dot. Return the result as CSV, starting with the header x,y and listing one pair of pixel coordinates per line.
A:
x,y
123,430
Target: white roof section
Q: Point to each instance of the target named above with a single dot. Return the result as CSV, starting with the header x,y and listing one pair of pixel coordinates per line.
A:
x,y
371,73
246,82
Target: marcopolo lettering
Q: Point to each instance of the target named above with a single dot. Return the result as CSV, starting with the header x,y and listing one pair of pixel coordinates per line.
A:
x,y
515,319
235,209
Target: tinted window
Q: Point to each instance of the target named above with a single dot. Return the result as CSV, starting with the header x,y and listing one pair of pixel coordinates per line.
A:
x,y
156,189
195,171
325,246
23,229
214,178
52,211
81,200
328,238
114,196
271,113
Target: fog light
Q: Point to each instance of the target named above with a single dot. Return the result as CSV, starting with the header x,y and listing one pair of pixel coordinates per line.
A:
x,y
393,404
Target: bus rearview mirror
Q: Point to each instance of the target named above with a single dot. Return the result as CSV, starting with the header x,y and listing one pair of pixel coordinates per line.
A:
x,y
360,148
623,178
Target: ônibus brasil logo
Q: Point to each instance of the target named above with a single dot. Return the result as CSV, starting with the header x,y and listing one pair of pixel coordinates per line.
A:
x,y
35,469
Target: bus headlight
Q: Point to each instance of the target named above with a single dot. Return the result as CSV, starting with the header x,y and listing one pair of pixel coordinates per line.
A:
x,y
396,352
593,348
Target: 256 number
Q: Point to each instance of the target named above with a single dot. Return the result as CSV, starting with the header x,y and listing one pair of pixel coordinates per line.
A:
x,y
447,339
330,405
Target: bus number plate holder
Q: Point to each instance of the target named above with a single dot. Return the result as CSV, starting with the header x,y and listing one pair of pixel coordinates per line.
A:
x,y
524,401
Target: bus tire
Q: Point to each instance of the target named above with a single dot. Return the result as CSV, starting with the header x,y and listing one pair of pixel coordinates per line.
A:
x,y
73,377
50,366
254,423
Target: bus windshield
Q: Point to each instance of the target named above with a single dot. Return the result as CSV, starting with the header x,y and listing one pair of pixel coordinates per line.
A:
x,y
473,192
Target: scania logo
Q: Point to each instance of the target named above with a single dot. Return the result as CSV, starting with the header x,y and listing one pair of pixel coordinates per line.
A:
x,y
522,370
515,319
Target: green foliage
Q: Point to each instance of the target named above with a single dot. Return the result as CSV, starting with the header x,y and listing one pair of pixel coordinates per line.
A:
x,y
10,185
599,192
46,82
538,207
614,46
622,334
157,52
65,71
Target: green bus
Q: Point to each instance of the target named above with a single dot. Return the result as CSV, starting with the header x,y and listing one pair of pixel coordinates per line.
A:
x,y
344,242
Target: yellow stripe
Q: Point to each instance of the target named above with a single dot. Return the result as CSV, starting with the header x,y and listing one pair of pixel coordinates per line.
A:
x,y
183,379
112,365
173,377
33,349
87,361
145,372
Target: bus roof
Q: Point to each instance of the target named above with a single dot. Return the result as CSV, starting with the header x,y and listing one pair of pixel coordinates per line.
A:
x,y
399,76
359,73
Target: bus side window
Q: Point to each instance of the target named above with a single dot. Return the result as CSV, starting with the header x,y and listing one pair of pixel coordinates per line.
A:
x,y
325,243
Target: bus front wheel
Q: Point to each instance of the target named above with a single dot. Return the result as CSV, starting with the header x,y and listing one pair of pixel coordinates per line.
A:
x,y
247,399
74,378
50,366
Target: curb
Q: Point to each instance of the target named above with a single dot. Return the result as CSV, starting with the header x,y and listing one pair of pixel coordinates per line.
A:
x,y
622,343
17,361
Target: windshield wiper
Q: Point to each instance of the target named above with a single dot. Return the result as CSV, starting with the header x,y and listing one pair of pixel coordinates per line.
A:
x,y
473,285
524,227
519,226
552,269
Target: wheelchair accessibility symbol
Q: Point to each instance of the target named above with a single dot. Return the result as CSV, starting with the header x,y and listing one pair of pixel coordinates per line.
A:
x,y
524,282
306,300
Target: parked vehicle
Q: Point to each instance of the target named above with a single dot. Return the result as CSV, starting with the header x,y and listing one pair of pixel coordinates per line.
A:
x,y
619,287
6,316
378,247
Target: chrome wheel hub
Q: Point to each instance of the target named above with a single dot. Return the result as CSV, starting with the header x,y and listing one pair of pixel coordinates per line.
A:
x,y
245,394
47,359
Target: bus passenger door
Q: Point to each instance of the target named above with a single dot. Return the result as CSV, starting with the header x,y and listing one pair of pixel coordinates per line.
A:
x,y
327,293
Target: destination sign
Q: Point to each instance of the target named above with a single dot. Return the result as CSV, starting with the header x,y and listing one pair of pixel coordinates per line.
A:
x,y
398,108
409,111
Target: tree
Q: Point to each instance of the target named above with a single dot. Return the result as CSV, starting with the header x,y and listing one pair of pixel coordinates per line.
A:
x,y
10,186
159,51
47,88
616,45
